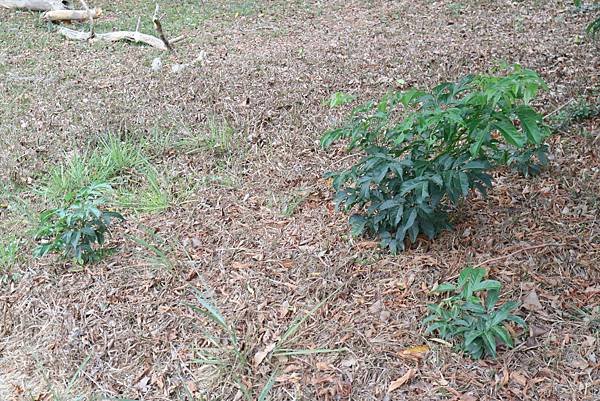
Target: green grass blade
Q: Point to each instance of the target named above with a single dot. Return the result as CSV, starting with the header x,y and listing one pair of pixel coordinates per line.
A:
x,y
297,352
267,388
299,320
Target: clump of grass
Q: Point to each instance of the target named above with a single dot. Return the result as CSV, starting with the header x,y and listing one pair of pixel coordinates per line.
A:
x,y
116,157
152,197
292,202
9,254
68,177
217,138
158,141
110,162
119,162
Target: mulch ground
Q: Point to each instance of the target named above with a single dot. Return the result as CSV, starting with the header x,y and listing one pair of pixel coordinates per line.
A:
x,y
268,73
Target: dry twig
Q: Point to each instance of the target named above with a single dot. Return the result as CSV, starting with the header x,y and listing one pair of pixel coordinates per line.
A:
x,y
90,17
528,248
159,30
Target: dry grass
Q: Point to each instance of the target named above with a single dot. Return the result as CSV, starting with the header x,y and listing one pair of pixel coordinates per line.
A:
x,y
251,223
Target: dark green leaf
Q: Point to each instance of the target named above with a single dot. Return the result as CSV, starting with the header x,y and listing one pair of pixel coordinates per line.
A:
x,y
530,120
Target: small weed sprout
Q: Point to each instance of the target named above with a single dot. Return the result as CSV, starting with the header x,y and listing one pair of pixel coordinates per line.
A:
x,y
476,322
78,230
9,253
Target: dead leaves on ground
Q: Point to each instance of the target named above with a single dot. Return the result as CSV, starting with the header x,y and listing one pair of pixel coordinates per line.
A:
x,y
402,380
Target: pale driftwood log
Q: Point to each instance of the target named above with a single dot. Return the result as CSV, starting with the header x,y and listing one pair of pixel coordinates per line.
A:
x,y
129,36
35,5
71,15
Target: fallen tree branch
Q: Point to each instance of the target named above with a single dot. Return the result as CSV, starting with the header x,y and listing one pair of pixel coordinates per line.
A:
x,y
129,36
35,5
71,15
85,6
159,29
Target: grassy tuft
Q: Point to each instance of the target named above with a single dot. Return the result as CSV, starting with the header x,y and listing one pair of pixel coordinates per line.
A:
x,y
216,138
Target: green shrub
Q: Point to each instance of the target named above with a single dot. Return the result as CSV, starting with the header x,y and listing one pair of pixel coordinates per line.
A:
x,y
426,151
476,322
78,231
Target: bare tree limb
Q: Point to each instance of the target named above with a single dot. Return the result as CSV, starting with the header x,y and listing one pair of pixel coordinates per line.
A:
x,y
91,19
116,36
159,29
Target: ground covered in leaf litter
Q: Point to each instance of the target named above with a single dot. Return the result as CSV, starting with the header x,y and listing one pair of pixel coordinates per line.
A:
x,y
252,224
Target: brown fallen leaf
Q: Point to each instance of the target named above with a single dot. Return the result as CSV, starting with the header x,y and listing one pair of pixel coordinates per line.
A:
x,y
518,378
588,342
401,381
324,366
239,265
537,331
289,378
531,302
260,356
414,353
368,244
288,263
579,363
505,377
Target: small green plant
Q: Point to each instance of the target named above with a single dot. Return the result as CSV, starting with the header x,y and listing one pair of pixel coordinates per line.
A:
x,y
593,28
475,321
9,253
425,151
9,250
579,109
78,230
339,99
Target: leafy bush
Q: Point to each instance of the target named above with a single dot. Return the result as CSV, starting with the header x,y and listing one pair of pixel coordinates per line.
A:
x,y
465,315
425,151
78,230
